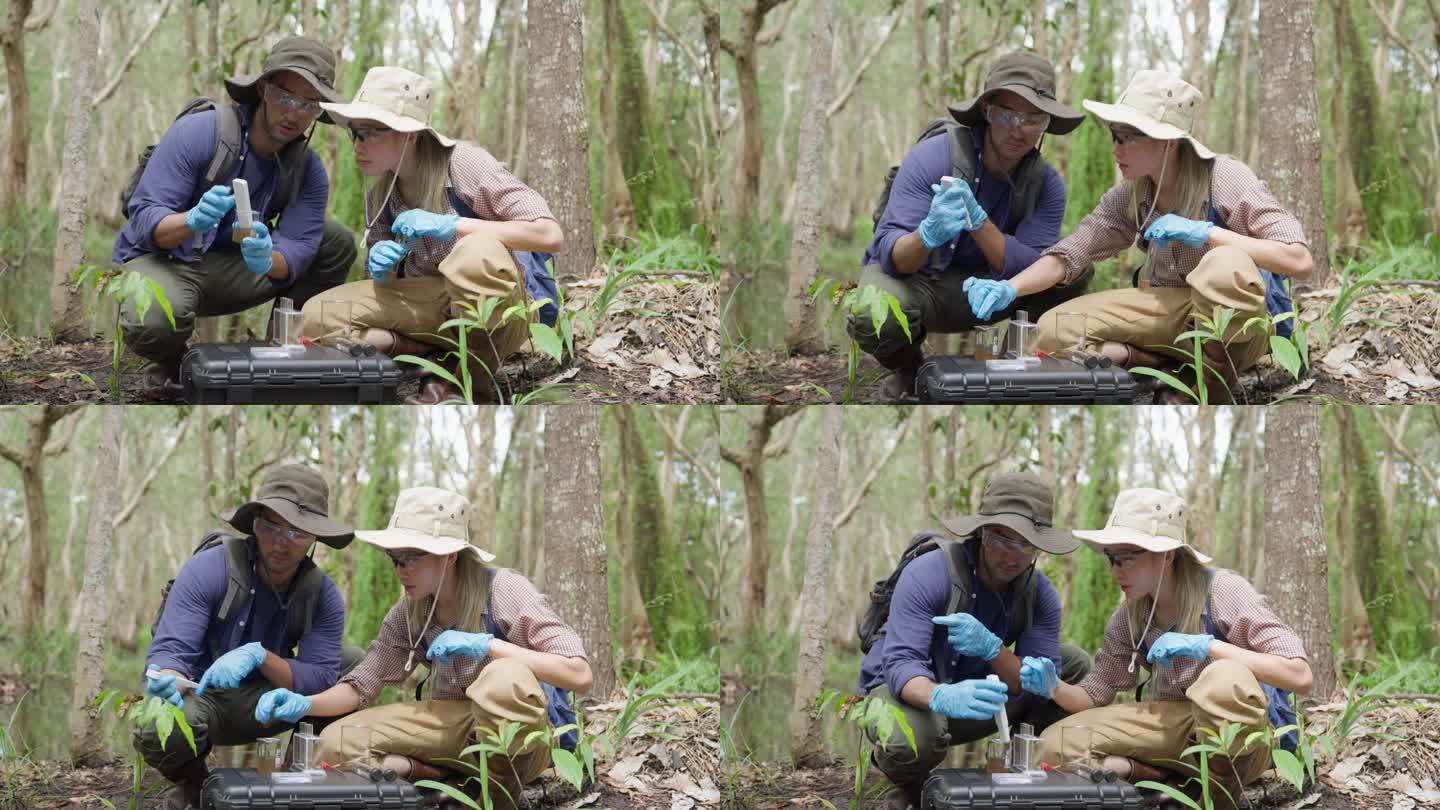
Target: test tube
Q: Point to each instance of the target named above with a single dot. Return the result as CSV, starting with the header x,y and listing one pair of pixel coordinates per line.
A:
x,y
243,221
1002,720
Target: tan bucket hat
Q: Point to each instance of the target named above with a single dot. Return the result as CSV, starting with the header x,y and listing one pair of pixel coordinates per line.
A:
x,y
428,519
1158,104
398,98
298,494
1023,502
1149,518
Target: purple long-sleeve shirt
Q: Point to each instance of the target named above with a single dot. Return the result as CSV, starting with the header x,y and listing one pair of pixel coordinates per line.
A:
x,y
912,644
909,204
170,185
182,637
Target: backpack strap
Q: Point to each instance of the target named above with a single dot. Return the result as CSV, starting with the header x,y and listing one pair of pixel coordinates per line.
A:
x,y
304,601
293,160
229,144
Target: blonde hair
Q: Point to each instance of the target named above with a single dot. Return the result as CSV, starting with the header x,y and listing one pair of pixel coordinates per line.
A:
x,y
472,596
1192,185
1192,588
432,170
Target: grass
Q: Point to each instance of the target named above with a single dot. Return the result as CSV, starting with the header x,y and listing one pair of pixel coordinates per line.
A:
x,y
699,674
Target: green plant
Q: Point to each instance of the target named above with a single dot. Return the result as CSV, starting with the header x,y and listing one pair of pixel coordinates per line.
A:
x,y
874,719
120,285
1353,288
474,319
870,301
141,712
1213,744
1356,707
1212,331
573,767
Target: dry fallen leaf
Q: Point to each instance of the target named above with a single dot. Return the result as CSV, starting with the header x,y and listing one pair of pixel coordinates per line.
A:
x,y
1342,353
627,767
1396,390
1346,768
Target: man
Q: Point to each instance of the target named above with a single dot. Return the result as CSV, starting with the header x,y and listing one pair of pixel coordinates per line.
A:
x,y
933,663
1003,210
231,620
179,231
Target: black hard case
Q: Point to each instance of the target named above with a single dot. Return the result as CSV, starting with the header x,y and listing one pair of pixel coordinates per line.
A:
x,y
228,374
957,789
965,380
234,788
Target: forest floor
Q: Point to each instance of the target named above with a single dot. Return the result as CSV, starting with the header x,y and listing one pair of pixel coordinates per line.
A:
x,y
1390,762
1383,350
670,758
658,341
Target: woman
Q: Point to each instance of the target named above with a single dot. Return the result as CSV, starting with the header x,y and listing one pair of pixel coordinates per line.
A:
x,y
1208,638
1213,234
462,225
476,679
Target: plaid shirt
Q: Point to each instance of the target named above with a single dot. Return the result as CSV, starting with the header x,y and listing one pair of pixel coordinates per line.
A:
x,y
484,184
1240,613
522,613
1240,198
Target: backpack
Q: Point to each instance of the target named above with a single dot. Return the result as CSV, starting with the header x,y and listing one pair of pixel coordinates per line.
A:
x,y
305,596
538,281
229,132
871,626
1028,178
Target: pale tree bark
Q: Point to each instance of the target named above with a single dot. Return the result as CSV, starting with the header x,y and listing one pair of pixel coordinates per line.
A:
x,y
484,505
922,61
559,152
619,206
750,461
575,533
1297,578
1357,638
638,636
30,458
67,315
1288,104
460,106
1204,494
18,23
1240,121
1352,229
807,738
87,743
1038,29
802,332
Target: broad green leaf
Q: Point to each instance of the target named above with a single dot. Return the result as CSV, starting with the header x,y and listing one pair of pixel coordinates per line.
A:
x,y
1289,768
1286,355
180,723
568,767
1173,793
1168,379
547,341
448,791
899,315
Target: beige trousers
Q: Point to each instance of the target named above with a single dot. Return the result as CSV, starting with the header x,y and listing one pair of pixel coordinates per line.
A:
x,y
1156,732
1150,317
477,268
434,731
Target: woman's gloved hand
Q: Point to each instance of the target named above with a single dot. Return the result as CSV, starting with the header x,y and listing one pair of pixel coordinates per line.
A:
x,y
1038,676
1180,645
385,259
1174,228
988,297
281,704
416,222
453,642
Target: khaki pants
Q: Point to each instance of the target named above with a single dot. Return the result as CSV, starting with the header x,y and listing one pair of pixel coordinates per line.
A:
x,y
1150,317
1156,732
477,268
434,731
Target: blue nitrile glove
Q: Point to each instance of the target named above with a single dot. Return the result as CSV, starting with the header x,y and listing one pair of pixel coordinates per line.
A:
x,y
454,642
281,704
1038,676
969,700
968,636
1173,228
988,297
1180,645
385,257
213,205
233,667
256,249
952,210
163,687
416,222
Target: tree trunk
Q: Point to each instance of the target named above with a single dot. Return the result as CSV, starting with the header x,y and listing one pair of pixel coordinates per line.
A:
x,y
31,460
67,316
807,738
636,635
560,151
1297,579
87,744
12,44
575,529
750,462
1350,224
619,206
802,333
1288,104
922,62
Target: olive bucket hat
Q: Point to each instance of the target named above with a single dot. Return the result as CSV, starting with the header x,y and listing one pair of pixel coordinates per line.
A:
x,y
309,59
1032,78
299,495
1024,503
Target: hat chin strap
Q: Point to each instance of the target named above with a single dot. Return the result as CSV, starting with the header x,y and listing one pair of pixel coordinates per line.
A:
x,y
435,600
1154,602
1164,162
370,222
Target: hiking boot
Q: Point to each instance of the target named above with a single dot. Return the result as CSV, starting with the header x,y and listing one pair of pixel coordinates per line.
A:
x,y
904,797
162,380
189,781
900,385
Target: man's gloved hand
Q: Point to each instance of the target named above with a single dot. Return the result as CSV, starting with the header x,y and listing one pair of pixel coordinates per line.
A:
x,y
1179,645
207,213
1038,676
453,642
281,704
1174,228
256,250
416,222
988,297
233,667
952,210
968,636
969,700
164,688
385,258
